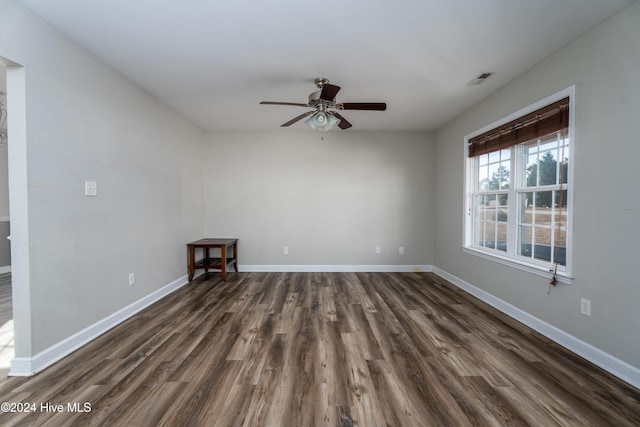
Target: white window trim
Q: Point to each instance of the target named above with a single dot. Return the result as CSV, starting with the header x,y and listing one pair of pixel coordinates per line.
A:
x,y
564,274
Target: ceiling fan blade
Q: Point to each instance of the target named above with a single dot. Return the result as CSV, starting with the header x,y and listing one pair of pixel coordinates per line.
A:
x,y
344,124
284,103
300,117
329,92
376,106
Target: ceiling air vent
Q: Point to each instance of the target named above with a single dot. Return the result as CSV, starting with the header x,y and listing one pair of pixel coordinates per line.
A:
x,y
481,78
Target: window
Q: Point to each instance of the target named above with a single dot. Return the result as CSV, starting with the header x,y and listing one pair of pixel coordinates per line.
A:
x,y
518,189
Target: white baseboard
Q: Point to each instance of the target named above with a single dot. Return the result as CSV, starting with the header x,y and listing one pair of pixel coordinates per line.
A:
x,y
336,268
604,360
27,366
20,367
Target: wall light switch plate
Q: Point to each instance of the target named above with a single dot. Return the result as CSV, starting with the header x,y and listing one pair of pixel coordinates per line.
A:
x,y
90,188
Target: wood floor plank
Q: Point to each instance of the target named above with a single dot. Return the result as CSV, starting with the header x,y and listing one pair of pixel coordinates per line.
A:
x,y
266,402
397,399
334,365
365,337
366,407
324,349
234,407
248,334
328,304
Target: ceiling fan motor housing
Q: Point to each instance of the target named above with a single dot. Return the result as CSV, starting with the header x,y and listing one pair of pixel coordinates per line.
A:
x,y
321,81
314,99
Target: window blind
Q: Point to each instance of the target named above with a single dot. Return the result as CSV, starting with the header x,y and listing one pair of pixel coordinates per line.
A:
x,y
546,120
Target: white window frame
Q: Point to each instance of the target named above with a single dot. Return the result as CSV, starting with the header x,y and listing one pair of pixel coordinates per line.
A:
x,y
510,258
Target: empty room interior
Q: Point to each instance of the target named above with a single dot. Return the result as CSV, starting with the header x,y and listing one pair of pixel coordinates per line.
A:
x,y
339,213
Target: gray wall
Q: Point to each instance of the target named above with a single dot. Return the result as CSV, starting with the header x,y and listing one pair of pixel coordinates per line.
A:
x,y
86,122
605,65
331,201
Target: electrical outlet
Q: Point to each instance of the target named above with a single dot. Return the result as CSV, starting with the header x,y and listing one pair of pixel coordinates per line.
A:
x,y
285,250
401,250
585,307
132,279
378,250
90,188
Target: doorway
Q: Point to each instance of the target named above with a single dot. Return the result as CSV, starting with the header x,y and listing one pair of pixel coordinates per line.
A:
x,y
6,306
16,152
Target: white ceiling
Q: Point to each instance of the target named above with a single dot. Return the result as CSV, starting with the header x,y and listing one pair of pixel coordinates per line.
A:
x,y
213,61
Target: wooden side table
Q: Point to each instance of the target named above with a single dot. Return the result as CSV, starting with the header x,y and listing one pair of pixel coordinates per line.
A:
x,y
228,256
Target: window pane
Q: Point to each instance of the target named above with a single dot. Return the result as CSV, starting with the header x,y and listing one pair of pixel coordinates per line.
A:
x,y
542,252
543,198
499,176
494,181
502,211
543,236
530,172
549,143
525,208
483,159
560,198
478,220
560,219
501,236
503,200
543,215
479,235
490,212
494,157
489,234
525,241
564,170
547,168
504,177
483,178
541,170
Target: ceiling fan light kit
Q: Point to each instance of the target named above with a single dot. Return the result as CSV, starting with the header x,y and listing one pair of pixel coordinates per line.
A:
x,y
324,117
322,121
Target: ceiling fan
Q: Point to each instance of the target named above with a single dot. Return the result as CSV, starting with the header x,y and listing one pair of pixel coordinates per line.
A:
x,y
323,116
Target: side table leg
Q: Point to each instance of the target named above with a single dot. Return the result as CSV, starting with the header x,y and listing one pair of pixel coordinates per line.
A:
x,y
223,261
191,262
235,256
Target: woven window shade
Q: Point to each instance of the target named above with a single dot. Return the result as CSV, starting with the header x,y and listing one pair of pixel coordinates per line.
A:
x,y
542,122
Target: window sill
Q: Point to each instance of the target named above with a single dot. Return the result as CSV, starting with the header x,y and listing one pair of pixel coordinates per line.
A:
x,y
538,270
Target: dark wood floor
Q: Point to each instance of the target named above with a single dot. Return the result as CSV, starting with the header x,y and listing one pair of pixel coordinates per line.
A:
x,y
330,349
